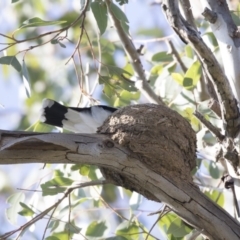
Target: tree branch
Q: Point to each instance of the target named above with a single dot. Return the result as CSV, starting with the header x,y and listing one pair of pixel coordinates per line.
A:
x,y
187,9
141,83
96,149
227,35
229,108
209,125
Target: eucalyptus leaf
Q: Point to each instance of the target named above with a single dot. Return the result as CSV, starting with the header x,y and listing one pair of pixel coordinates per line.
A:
x,y
162,57
26,211
11,60
99,10
120,15
192,76
12,211
178,228
52,238
57,185
213,170
38,22
96,229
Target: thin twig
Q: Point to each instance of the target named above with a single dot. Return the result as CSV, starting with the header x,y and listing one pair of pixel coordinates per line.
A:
x,y
59,31
130,49
165,211
176,55
50,217
209,125
124,218
46,211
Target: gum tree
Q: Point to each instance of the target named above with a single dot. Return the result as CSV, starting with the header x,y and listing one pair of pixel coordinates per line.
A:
x,y
190,93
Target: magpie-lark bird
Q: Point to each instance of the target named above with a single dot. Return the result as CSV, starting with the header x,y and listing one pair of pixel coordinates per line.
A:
x,y
79,120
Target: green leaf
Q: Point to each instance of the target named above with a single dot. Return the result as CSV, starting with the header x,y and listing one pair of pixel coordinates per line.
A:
x,y
178,228
80,201
38,22
76,167
57,185
92,173
192,76
189,51
52,238
125,27
171,67
99,10
96,229
50,190
116,238
53,225
157,70
108,91
166,221
116,71
236,16
120,15
62,45
14,1
188,113
12,211
129,96
212,38
154,32
62,235
121,2
72,228
187,82
178,78
162,57
26,211
213,170
216,196
127,229
129,69
25,78
54,41
11,60
121,79
107,46
41,127
119,103
84,170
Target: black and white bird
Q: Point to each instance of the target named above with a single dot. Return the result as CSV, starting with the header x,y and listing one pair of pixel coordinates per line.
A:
x,y
79,120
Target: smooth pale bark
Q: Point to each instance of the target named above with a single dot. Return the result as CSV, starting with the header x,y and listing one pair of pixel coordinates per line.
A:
x,y
184,198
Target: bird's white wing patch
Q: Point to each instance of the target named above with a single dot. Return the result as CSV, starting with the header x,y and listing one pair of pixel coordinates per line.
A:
x,y
99,114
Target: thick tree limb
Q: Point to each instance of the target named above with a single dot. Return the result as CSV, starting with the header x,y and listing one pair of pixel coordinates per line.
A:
x,y
229,108
184,198
227,35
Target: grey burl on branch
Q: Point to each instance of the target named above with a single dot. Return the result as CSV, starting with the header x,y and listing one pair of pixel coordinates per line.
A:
x,y
156,135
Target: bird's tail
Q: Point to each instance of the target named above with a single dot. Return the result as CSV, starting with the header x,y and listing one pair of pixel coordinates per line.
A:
x,y
82,120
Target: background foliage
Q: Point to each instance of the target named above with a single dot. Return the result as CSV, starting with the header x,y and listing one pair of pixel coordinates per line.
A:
x,y
83,65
